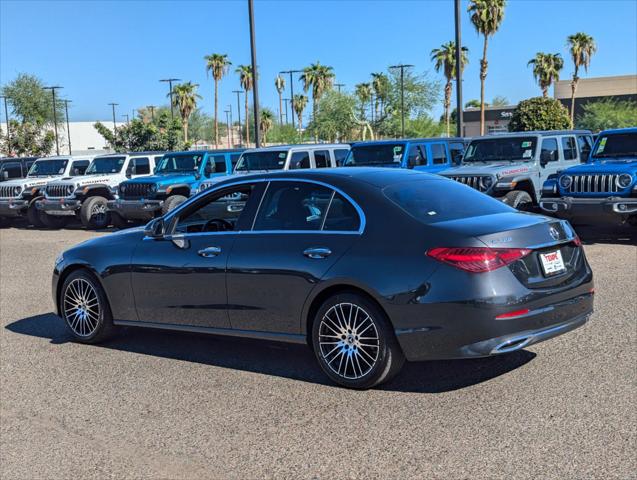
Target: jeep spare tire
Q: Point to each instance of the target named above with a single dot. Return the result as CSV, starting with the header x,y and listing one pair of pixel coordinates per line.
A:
x,y
171,203
94,213
519,200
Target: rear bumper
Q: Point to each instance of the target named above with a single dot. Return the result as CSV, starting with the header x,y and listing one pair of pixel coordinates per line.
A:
x,y
135,209
614,210
62,206
13,208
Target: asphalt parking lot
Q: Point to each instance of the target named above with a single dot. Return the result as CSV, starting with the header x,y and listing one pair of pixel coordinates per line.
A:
x,y
152,404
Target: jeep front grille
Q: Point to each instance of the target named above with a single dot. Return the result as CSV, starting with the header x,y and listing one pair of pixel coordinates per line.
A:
x,y
57,190
131,191
7,191
474,181
594,184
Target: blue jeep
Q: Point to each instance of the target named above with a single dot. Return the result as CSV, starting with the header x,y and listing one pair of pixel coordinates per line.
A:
x,y
176,177
604,190
428,154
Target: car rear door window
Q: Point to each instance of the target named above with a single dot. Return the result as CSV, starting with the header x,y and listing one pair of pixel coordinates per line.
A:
x,y
300,160
457,150
322,158
293,206
549,150
341,216
569,148
340,154
439,153
219,163
416,156
79,167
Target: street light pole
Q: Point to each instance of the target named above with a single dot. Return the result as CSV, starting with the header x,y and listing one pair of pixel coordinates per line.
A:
x,y
459,112
230,126
255,76
170,85
6,116
339,85
152,112
55,118
402,95
68,128
113,105
239,92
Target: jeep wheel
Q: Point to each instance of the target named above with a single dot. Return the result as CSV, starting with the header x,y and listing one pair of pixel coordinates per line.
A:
x,y
519,200
54,221
118,221
171,203
94,213
34,216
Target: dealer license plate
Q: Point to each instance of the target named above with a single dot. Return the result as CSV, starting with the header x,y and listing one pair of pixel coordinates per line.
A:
x,y
552,263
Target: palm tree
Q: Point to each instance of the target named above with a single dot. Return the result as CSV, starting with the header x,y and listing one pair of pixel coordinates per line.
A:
x,y
445,60
380,85
185,99
582,47
364,93
279,84
546,70
265,123
247,81
320,78
218,65
486,16
300,102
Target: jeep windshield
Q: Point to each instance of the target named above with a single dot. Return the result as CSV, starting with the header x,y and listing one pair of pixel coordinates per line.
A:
x,y
378,154
501,149
48,168
105,165
616,145
270,160
180,163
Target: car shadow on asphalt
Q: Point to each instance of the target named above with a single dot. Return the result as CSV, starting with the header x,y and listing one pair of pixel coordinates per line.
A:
x,y
607,235
291,361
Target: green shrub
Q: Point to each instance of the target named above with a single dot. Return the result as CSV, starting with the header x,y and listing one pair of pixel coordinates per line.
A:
x,y
539,114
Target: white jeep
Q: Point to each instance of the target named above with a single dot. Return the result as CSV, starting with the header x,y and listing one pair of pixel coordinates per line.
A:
x,y
86,196
18,197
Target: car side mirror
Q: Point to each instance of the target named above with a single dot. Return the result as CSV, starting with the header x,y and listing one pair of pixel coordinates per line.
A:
x,y
208,170
155,228
545,157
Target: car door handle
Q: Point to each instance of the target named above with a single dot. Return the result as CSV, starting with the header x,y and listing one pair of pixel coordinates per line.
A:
x,y
317,252
209,252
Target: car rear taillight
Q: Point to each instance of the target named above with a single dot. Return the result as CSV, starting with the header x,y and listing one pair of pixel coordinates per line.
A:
x,y
577,241
478,259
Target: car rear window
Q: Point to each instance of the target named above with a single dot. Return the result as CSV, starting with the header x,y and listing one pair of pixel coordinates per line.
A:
x,y
439,200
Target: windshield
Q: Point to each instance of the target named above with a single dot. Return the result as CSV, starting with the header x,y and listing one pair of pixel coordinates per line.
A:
x,y
616,145
501,149
180,163
48,168
271,160
379,154
105,165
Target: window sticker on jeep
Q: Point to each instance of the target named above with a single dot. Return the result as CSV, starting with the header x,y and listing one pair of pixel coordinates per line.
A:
x,y
602,144
527,153
526,145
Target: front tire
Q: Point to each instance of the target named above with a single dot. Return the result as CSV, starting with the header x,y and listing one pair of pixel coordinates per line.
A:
x,y
171,203
94,213
354,342
518,199
85,309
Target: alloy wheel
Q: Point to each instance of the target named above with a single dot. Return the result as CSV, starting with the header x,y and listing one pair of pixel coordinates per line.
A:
x,y
81,307
98,213
348,340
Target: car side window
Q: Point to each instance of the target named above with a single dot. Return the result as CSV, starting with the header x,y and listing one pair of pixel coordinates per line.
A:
x,y
549,151
457,150
322,158
219,212
234,158
569,148
219,163
439,153
142,165
300,160
13,169
416,157
293,206
341,216
585,146
79,167
339,155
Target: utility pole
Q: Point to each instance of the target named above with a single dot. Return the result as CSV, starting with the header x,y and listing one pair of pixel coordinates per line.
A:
x,y
127,120
6,116
339,85
287,118
239,92
152,112
402,95
68,128
255,76
230,126
227,112
170,85
292,72
55,118
113,105
459,119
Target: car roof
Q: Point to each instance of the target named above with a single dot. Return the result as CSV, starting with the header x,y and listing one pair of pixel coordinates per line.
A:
x,y
541,133
619,130
411,140
299,146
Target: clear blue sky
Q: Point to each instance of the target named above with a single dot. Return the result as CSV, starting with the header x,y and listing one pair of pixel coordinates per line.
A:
x,y
116,51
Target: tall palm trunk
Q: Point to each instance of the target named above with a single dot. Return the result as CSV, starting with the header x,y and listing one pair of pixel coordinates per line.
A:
x,y
573,89
185,122
300,117
545,92
216,110
483,77
247,122
447,103
281,109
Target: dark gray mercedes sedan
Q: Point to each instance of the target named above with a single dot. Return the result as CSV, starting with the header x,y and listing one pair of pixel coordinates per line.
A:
x,y
370,267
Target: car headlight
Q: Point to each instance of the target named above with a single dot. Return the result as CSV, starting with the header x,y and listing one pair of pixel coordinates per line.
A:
x,y
624,180
17,191
487,182
70,189
565,181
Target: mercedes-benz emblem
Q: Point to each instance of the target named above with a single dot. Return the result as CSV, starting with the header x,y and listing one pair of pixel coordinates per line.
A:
x,y
554,232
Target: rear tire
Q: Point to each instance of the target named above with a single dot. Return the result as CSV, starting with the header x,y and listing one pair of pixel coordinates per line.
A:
x,y
34,216
85,309
519,200
54,221
94,213
171,203
118,221
354,342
